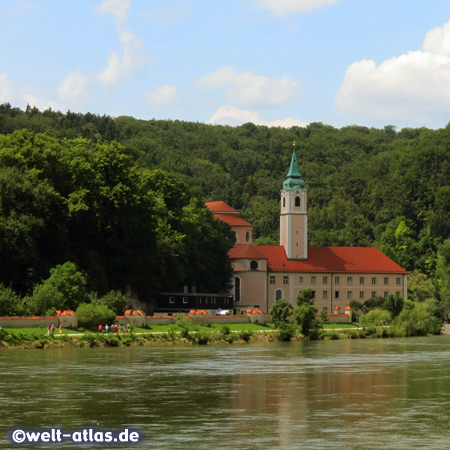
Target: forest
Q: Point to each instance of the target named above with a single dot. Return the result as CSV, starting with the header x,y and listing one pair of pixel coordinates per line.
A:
x,y
81,187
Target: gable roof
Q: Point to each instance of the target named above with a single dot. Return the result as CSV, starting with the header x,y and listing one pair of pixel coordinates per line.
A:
x,y
328,260
220,207
227,214
246,251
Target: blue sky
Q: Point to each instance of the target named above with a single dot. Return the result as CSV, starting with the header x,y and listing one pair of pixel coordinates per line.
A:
x,y
272,62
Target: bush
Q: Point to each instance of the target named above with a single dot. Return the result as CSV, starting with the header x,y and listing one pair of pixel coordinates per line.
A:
x,y
375,318
90,315
417,321
286,332
246,335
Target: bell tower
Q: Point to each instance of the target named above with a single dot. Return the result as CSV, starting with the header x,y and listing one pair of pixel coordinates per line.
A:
x,y
293,215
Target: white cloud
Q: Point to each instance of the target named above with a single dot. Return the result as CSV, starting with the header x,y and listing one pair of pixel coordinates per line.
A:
x,y
72,88
41,103
414,86
162,96
230,115
117,8
21,7
21,95
246,88
134,57
282,7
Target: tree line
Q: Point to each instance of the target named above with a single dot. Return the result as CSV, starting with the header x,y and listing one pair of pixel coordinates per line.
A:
x,y
366,186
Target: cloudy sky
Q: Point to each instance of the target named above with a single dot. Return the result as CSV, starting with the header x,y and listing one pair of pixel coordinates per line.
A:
x,y
272,62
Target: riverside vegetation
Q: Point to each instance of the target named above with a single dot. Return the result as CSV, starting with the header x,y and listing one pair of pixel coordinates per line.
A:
x,y
93,206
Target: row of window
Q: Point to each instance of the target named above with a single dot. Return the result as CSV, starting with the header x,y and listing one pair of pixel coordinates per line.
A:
x,y
337,280
337,295
212,300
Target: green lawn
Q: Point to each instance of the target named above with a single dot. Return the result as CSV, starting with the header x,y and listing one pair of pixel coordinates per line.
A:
x,y
37,330
231,326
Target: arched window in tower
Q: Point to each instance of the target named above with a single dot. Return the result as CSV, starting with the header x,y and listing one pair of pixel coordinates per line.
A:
x,y
284,202
297,202
279,294
237,289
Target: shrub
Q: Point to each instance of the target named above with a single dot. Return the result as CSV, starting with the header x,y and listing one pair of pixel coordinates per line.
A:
x,y
90,315
286,332
375,318
246,335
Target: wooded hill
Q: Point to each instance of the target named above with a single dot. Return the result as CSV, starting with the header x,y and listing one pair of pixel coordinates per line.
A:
x,y
366,186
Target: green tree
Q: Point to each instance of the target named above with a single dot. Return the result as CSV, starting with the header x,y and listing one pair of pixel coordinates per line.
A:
x,y
280,311
305,315
66,280
114,300
46,298
10,302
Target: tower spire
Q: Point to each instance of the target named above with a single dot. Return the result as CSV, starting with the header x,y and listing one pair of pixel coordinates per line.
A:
x,y
294,177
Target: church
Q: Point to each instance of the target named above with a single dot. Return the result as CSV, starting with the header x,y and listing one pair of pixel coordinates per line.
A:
x,y
264,274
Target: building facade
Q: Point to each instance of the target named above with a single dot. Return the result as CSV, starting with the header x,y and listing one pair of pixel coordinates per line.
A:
x,y
264,274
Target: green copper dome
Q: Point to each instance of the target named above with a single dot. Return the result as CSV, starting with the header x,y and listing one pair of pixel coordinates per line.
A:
x,y
294,177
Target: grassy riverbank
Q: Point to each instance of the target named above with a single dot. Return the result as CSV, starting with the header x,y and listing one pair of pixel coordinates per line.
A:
x,y
37,338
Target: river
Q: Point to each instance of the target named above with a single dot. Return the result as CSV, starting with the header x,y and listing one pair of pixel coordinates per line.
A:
x,y
347,394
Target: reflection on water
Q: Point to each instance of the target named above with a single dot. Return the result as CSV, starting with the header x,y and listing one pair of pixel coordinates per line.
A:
x,y
337,394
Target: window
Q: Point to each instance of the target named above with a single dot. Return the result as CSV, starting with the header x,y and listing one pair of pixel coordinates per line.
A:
x,y
237,289
171,299
284,202
398,281
272,279
300,280
313,293
374,294
278,294
336,294
253,265
297,202
285,280
313,280
361,280
385,294
325,280
247,236
337,280
361,295
185,300
386,280
349,281
325,308
325,294
374,280
349,295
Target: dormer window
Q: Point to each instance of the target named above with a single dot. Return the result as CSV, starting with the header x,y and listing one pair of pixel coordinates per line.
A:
x,y
254,265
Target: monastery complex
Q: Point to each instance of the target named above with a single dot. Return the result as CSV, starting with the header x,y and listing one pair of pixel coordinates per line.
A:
x,y
264,274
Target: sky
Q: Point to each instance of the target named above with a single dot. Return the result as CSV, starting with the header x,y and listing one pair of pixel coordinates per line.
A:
x,y
271,62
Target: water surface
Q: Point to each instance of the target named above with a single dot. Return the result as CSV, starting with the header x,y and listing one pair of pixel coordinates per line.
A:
x,y
349,394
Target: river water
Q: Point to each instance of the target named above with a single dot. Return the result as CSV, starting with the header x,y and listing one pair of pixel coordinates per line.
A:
x,y
348,394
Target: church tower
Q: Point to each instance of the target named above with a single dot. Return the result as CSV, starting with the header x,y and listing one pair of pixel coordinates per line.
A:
x,y
293,216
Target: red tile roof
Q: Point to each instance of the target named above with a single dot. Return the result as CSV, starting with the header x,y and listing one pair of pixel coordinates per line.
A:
x,y
220,207
246,251
233,220
322,259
